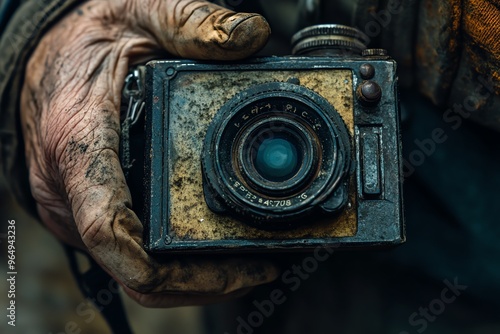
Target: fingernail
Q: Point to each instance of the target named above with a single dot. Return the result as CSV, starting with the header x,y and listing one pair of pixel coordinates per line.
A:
x,y
242,30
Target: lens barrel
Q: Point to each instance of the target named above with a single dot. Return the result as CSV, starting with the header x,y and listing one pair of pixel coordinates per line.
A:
x,y
273,153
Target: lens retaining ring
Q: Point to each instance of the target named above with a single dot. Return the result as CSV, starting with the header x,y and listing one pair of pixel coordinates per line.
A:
x,y
231,185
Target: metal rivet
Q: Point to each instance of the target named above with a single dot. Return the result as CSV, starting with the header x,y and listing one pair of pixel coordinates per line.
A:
x,y
367,71
167,240
369,92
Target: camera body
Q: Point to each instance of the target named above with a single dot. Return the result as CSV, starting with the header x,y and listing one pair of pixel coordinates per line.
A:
x,y
269,154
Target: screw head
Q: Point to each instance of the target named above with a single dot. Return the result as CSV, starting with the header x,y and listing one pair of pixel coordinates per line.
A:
x,y
367,71
369,92
170,71
167,240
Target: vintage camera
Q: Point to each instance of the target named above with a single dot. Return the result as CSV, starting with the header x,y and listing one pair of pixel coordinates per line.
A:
x,y
275,153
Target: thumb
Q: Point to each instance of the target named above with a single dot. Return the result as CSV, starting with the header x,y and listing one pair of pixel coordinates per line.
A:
x,y
199,29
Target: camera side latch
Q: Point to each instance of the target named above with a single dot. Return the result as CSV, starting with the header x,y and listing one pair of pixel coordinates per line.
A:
x,y
371,164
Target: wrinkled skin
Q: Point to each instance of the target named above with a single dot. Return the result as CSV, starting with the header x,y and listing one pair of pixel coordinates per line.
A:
x,y
70,107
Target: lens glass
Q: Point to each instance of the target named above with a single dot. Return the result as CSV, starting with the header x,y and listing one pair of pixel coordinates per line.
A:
x,y
277,159
276,155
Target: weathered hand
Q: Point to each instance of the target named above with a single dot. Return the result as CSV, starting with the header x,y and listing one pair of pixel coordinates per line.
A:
x,y
70,115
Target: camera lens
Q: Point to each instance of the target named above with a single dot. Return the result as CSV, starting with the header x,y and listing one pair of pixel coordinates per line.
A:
x,y
277,159
273,153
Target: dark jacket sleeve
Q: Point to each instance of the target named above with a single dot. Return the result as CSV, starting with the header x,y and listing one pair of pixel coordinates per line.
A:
x,y
24,29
